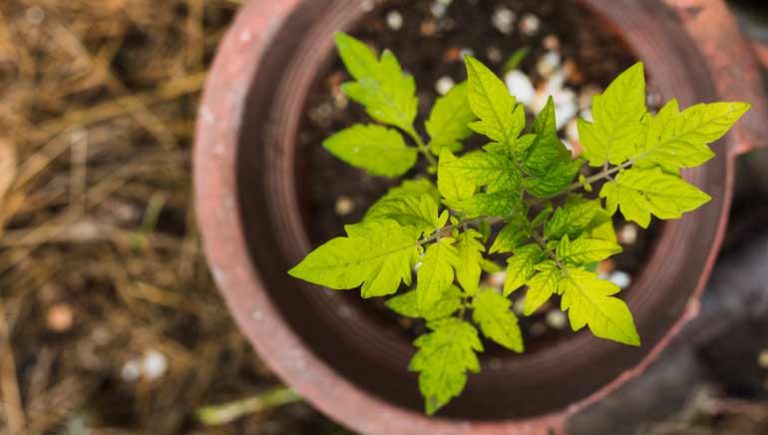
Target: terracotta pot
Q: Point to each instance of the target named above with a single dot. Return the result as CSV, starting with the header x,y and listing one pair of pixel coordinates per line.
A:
x,y
340,360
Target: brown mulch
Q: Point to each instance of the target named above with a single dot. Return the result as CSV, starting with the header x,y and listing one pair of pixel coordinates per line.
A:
x,y
100,264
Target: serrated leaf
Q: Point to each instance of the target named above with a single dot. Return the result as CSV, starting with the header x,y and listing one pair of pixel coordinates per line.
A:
x,y
417,209
572,218
388,94
497,204
638,193
448,123
542,286
379,150
435,275
520,267
517,231
548,163
617,128
677,140
601,227
496,171
470,252
450,183
358,58
378,255
499,117
498,323
584,250
542,217
589,301
407,304
443,359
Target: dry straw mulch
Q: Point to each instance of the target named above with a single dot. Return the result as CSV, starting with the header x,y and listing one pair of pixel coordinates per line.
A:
x,y
100,265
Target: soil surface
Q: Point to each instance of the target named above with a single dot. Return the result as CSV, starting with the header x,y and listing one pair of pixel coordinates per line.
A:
x,y
430,42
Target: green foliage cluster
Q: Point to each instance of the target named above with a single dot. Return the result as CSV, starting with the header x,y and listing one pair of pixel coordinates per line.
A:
x,y
525,181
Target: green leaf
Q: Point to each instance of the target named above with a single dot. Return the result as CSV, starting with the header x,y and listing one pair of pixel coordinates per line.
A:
x,y
469,268
517,57
416,186
589,301
601,227
497,204
638,193
498,323
542,286
679,140
542,217
517,231
414,208
448,123
358,58
435,275
548,163
379,255
618,113
388,94
450,183
520,267
572,218
499,118
379,150
407,304
496,171
584,250
443,359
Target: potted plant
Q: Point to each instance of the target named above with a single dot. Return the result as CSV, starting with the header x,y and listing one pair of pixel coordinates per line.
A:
x,y
329,348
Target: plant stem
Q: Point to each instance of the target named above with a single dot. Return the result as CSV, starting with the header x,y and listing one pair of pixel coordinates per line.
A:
x,y
423,149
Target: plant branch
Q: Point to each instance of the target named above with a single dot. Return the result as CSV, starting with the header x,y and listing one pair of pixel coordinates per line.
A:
x,y
423,149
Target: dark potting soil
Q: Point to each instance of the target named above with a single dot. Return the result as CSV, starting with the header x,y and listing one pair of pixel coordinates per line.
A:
x,y
430,39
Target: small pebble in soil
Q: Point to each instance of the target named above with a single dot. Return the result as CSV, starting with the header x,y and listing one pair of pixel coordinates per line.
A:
x,y
344,206
503,19
519,305
556,319
60,318
494,54
131,370
367,5
606,267
587,115
452,54
444,85
572,131
551,43
538,329
466,52
620,278
438,9
572,72
496,280
627,234
520,86
548,64
35,15
395,20
530,24
565,106
321,115
762,359
427,28
154,365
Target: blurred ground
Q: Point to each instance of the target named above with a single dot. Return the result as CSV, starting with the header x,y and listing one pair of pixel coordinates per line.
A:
x,y
109,319
109,322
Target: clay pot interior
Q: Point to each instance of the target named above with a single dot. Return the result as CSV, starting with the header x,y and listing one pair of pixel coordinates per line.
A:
x,y
373,355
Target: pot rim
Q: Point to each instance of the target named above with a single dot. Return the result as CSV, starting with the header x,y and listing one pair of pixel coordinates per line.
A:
x,y
215,182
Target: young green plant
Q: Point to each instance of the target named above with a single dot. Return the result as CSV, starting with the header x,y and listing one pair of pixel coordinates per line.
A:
x,y
525,182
